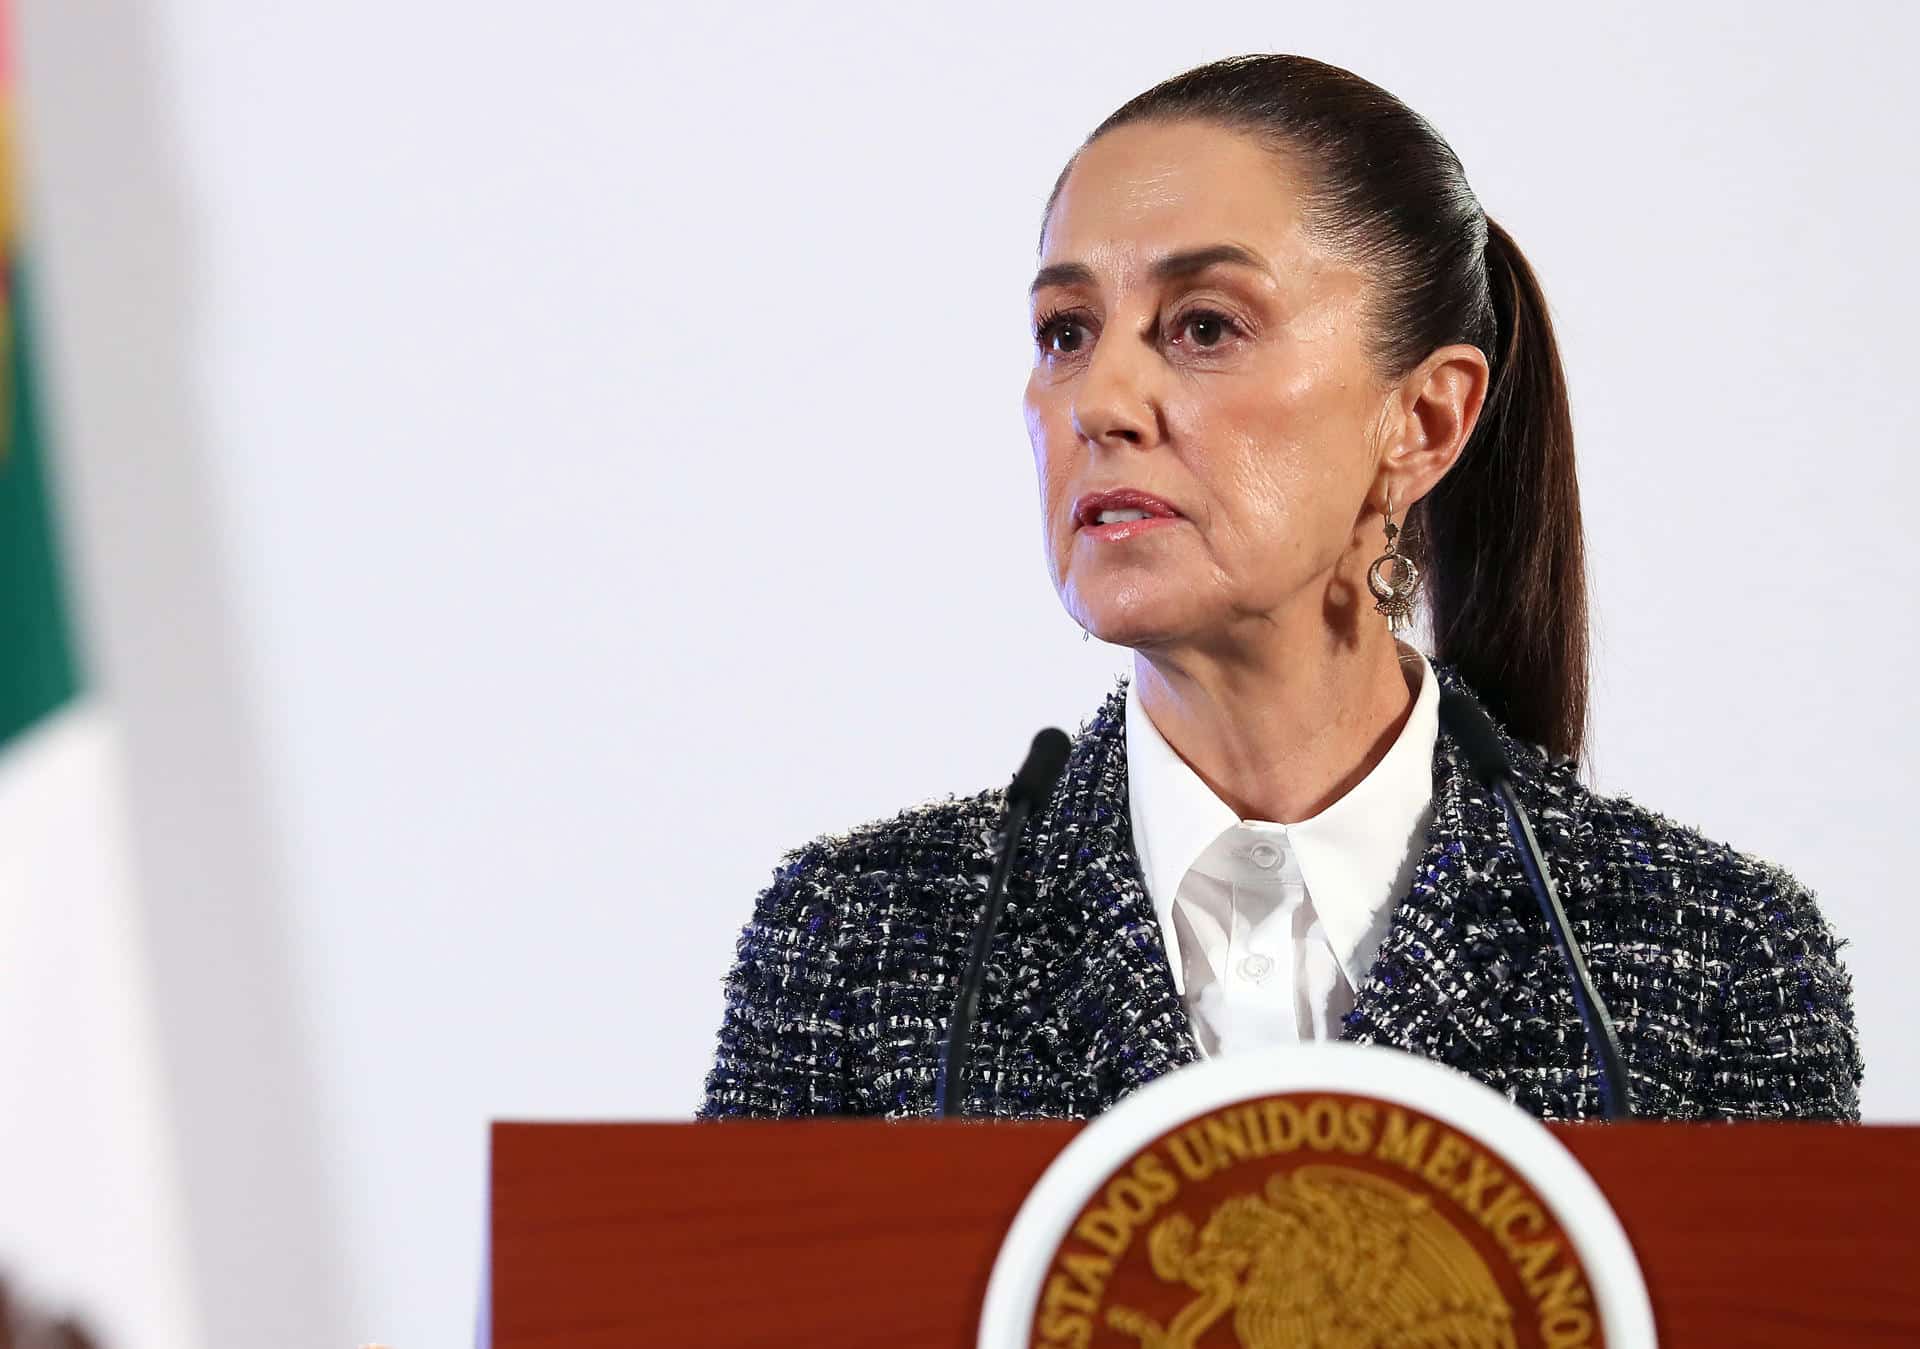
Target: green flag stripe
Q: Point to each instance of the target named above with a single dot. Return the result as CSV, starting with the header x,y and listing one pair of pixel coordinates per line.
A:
x,y
38,667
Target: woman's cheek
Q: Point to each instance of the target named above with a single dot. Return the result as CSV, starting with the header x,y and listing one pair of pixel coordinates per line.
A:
x,y
1060,540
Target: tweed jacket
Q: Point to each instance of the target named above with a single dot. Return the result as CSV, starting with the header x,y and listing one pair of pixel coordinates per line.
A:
x,y
1723,978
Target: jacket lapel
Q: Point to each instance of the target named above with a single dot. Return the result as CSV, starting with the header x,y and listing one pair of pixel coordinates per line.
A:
x,y
1102,1016
1434,986
1455,976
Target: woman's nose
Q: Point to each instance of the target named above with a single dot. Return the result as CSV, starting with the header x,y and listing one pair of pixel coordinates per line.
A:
x,y
1111,402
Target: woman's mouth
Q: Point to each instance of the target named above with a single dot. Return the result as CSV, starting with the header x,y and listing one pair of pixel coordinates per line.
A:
x,y
1121,513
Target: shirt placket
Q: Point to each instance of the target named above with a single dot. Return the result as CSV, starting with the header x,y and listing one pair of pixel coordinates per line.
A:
x,y
1262,968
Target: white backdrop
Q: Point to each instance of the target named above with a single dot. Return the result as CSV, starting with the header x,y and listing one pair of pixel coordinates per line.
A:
x,y
531,465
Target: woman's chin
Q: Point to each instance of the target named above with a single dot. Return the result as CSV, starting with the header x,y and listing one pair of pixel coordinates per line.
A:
x,y
1137,625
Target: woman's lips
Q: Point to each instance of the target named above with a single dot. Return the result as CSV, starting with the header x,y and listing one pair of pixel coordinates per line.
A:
x,y
1121,530
1151,513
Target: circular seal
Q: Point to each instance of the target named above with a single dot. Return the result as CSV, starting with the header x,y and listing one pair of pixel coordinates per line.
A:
x,y
1330,1195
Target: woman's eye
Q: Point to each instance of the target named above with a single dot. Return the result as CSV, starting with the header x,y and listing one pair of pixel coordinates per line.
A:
x,y
1209,327
1059,335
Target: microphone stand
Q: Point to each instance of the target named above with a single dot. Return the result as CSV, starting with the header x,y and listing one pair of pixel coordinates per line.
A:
x,y
1472,728
1031,785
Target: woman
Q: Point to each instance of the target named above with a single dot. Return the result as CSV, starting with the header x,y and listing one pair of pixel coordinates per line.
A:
x,y
1272,326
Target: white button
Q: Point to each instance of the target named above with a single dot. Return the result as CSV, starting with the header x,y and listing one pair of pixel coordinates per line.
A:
x,y
1265,855
1256,968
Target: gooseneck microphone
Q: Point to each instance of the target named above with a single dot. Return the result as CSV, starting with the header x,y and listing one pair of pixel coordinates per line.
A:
x,y
1031,785
1488,758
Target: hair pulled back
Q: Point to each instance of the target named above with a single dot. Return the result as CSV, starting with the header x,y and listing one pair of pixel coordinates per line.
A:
x,y
1498,540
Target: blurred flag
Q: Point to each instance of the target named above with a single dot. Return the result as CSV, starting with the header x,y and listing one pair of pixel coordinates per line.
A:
x,y
37,669
91,1219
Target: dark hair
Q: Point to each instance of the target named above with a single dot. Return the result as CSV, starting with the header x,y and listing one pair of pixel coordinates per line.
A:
x,y
1498,539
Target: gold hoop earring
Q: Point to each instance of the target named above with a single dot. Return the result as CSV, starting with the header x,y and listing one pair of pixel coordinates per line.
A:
x,y
1393,579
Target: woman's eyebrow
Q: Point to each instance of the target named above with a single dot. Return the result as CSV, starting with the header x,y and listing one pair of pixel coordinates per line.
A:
x,y
1177,265
1169,268
1061,274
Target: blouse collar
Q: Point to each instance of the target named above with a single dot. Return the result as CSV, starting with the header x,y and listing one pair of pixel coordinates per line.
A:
x,y
1356,856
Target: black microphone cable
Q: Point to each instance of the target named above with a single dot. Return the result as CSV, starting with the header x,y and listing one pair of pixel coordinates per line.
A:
x,y
1470,726
1031,785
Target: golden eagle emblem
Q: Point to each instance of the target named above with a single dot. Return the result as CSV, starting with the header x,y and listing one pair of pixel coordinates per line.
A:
x,y
1326,1257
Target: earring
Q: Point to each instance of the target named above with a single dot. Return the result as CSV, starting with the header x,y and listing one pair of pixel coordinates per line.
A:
x,y
1086,635
1393,578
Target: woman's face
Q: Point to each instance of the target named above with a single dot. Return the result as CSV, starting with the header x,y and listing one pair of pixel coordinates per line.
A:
x,y
1194,344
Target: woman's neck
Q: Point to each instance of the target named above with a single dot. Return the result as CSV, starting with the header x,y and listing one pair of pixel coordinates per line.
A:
x,y
1282,731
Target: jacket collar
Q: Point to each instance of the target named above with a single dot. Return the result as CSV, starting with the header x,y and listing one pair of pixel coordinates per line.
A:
x,y
1103,1008
1441,985
1102,1012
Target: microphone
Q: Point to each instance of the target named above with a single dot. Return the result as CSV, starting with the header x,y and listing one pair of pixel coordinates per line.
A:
x,y
1031,785
1488,759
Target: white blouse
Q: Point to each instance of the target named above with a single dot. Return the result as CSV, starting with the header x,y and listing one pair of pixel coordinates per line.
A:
x,y
1270,928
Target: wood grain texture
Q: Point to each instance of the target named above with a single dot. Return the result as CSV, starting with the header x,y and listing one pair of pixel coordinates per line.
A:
x,y
862,1232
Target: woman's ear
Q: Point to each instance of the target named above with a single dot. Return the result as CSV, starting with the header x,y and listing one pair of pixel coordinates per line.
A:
x,y
1437,407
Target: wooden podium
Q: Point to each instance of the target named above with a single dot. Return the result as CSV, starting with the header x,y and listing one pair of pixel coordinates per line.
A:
x,y
856,1232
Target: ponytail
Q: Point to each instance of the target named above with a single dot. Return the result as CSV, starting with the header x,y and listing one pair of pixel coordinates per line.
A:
x,y
1500,539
